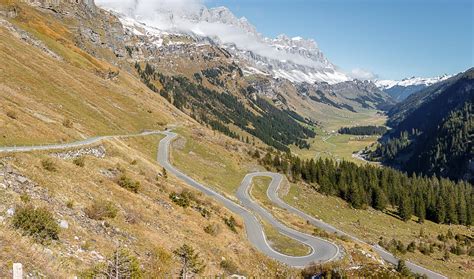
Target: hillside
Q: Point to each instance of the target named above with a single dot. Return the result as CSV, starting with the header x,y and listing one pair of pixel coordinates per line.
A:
x,y
108,196
432,130
106,86
54,91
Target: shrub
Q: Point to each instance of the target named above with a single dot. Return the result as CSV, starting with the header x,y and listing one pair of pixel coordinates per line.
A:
x,y
411,247
471,252
403,269
446,255
121,264
127,183
424,249
79,161
321,233
70,204
183,199
68,123
49,165
36,222
204,212
25,198
212,229
231,223
457,249
100,210
229,267
12,114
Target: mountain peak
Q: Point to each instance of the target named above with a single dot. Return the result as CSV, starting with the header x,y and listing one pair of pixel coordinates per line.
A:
x,y
296,59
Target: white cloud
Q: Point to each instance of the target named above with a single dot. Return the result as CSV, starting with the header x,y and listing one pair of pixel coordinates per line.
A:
x,y
362,74
147,8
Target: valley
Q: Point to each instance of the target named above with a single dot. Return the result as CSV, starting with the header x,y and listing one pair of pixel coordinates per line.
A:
x,y
141,141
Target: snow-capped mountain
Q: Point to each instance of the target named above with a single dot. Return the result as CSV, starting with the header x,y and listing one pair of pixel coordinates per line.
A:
x,y
401,89
295,59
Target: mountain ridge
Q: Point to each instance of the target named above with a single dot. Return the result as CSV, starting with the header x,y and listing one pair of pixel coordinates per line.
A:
x,y
401,89
298,60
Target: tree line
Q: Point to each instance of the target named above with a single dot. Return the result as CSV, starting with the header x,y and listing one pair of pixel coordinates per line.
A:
x,y
363,130
431,198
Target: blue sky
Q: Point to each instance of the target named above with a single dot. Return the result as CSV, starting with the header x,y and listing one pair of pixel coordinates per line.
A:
x,y
391,38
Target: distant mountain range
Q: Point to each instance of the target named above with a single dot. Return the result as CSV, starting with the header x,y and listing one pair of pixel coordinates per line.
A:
x,y
401,89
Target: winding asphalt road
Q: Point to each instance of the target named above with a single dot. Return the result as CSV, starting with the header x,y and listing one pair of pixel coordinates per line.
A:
x,y
321,250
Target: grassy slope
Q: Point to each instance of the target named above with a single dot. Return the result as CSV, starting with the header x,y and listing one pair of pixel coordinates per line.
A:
x,y
279,242
199,159
157,226
212,160
370,225
43,92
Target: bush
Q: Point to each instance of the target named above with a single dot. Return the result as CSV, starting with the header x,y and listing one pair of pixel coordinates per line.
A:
x,y
457,249
25,198
127,183
49,165
184,199
424,249
212,229
68,123
38,223
79,161
204,211
229,267
12,114
411,247
403,269
70,204
100,210
121,264
231,223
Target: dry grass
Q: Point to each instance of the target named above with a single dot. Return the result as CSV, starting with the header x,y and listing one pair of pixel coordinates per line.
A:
x,y
42,92
370,225
215,160
279,242
143,218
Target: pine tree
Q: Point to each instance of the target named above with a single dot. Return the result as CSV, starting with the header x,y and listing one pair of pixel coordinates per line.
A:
x,y
380,200
440,213
190,260
405,208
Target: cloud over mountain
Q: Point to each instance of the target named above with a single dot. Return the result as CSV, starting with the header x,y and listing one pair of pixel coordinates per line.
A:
x,y
217,23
